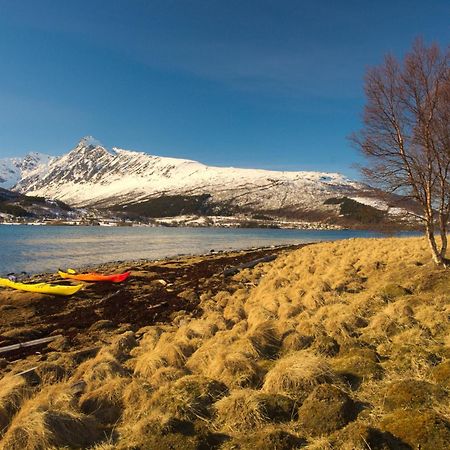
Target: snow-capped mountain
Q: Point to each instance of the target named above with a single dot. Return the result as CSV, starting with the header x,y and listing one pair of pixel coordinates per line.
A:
x,y
91,175
12,170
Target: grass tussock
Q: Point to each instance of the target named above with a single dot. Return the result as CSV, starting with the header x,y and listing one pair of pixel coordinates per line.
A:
x,y
51,419
13,392
298,374
96,371
235,369
188,398
247,409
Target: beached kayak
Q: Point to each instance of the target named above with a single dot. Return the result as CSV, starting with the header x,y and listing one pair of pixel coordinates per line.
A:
x,y
41,288
115,278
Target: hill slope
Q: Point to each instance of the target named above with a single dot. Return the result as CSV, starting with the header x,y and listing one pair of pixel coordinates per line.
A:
x,y
138,185
14,205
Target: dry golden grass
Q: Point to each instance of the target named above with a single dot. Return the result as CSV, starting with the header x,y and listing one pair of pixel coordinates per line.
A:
x,y
97,370
188,398
235,369
51,419
298,374
13,392
368,315
243,410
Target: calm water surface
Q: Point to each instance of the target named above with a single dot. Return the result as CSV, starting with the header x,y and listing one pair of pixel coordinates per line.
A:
x,y
46,248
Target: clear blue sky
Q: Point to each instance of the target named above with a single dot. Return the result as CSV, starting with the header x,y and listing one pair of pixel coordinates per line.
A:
x,y
265,83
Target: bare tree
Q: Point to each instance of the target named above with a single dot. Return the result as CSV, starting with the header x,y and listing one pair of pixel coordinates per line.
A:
x,y
406,135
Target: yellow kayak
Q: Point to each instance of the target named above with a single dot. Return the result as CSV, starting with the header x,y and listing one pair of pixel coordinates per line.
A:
x,y
41,288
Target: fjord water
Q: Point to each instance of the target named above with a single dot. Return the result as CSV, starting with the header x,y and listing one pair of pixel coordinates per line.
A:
x,y
36,249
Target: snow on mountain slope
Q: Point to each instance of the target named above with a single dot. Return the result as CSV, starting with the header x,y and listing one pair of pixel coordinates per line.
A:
x,y
92,175
12,170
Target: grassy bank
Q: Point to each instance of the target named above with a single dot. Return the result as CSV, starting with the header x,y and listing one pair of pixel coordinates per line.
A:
x,y
339,345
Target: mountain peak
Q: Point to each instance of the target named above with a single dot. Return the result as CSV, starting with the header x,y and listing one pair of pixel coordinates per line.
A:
x,y
89,141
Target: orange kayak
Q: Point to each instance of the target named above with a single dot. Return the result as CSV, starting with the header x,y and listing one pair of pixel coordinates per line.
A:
x,y
116,278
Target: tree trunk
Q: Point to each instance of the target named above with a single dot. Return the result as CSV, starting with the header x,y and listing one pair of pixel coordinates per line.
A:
x,y
438,258
443,230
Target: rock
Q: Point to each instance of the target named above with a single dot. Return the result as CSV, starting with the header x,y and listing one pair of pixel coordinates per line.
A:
x,y
3,363
411,394
60,344
102,325
325,410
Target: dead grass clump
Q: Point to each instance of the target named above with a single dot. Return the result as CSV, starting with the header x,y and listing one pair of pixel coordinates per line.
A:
x,y
105,402
97,370
50,373
135,399
207,352
297,374
166,375
50,419
188,398
325,345
148,340
265,339
121,346
13,392
172,354
441,373
235,370
245,409
295,341
234,311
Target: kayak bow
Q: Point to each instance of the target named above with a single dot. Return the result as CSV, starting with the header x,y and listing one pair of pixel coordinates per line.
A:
x,y
115,278
41,288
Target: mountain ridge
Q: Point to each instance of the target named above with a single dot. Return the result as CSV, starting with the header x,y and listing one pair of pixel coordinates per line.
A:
x,y
90,175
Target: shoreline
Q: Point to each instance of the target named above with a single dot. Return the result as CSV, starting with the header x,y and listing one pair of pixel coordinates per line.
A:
x,y
156,292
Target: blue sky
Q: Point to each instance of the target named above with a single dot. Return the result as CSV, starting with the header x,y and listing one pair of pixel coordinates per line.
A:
x,y
266,83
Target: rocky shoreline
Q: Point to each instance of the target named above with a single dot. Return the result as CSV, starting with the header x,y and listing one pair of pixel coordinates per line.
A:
x,y
156,292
